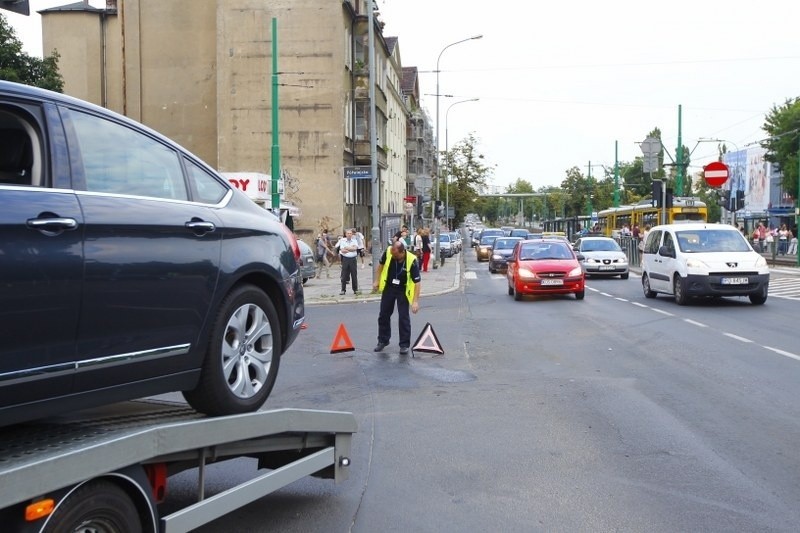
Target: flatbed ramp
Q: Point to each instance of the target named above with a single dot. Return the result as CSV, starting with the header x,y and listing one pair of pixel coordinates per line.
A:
x,y
40,458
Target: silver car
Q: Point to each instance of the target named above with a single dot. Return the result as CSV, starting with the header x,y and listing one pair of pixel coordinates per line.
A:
x,y
308,266
602,257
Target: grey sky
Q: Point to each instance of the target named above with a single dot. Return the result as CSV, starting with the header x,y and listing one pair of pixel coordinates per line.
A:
x,y
559,82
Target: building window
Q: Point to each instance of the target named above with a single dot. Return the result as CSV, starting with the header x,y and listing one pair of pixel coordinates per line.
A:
x,y
362,120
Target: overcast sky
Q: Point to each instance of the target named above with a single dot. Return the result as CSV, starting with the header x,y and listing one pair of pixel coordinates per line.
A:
x,y
559,82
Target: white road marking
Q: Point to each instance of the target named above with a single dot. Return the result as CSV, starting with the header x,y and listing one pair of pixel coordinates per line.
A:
x,y
782,352
695,323
637,304
606,294
736,337
470,275
620,299
662,312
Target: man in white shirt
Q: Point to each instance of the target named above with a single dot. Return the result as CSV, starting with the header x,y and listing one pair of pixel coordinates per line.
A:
x,y
348,253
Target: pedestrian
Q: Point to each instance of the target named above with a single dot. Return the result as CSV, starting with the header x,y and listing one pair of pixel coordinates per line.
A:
x,y
397,278
359,237
792,243
426,248
635,233
783,239
399,235
643,241
323,251
759,236
348,254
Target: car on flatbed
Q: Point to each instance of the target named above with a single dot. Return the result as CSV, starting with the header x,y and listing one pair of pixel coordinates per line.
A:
x,y
131,268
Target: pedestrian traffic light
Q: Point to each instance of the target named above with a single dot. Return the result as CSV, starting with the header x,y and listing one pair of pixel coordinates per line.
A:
x,y
724,199
669,197
656,189
739,199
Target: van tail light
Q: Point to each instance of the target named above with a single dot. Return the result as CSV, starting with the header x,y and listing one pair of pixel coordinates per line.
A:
x,y
292,242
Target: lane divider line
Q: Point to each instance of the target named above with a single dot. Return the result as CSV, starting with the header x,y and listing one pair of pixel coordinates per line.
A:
x,y
637,304
662,312
695,323
782,352
736,337
606,294
620,299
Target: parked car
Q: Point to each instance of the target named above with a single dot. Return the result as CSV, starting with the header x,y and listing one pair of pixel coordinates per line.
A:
x,y
445,246
308,266
693,259
455,238
518,232
502,248
544,266
602,257
131,268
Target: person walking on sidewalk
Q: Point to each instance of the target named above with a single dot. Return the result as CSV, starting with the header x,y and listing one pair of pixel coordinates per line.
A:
x,y
348,253
323,250
361,245
398,280
426,248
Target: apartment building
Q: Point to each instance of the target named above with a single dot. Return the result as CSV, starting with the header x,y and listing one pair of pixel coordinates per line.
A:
x,y
201,73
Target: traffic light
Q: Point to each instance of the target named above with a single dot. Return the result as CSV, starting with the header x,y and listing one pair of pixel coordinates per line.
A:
x,y
656,189
419,205
724,199
739,199
669,198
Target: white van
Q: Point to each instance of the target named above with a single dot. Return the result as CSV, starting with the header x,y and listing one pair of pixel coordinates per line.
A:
x,y
700,259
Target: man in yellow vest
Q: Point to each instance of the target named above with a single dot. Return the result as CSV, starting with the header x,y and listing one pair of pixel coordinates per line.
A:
x,y
398,280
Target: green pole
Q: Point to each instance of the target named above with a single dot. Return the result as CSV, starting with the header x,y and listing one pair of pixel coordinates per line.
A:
x,y
616,173
276,149
589,193
679,157
797,212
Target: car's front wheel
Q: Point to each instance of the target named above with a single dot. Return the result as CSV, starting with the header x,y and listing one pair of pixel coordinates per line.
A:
x,y
580,295
243,355
760,298
624,276
679,290
648,292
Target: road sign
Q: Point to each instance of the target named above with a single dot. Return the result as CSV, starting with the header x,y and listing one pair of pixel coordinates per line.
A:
x,y
358,173
715,173
651,146
650,163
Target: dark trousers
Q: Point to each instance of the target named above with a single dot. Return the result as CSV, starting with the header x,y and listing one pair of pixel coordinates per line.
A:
x,y
389,296
349,269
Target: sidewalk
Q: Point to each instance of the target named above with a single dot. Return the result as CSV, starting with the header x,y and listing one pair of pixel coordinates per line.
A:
x,y
320,291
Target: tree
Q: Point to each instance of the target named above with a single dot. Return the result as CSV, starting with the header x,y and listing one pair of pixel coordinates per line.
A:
x,y
17,66
468,176
783,145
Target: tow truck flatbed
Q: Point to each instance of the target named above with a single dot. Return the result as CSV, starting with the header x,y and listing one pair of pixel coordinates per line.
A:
x,y
57,455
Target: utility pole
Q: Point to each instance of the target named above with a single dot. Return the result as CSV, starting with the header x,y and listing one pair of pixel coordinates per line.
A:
x,y
276,148
616,173
679,157
373,148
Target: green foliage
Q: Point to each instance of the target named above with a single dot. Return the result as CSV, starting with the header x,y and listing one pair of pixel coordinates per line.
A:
x,y
468,176
783,147
17,66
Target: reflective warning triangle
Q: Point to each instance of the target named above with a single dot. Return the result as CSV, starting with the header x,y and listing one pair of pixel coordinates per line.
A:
x,y
427,341
342,342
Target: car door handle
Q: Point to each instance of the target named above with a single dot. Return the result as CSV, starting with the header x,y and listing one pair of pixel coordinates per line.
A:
x,y
52,224
200,226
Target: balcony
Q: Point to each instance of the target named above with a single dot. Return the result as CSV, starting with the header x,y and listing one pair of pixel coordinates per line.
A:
x,y
362,155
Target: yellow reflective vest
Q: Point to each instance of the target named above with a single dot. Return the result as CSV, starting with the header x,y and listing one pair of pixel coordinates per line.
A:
x,y
410,258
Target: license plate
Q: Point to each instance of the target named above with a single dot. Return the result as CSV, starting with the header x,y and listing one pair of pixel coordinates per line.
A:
x,y
606,267
552,282
735,281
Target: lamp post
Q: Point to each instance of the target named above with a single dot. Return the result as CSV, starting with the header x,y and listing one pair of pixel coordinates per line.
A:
x,y
446,150
437,230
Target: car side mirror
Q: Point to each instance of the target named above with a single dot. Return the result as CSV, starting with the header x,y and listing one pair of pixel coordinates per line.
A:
x,y
581,257
666,252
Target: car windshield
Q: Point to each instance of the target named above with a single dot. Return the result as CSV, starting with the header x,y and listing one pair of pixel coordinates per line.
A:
x,y
600,245
504,244
445,237
711,240
488,240
544,250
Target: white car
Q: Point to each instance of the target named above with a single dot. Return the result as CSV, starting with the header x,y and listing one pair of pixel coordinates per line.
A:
x,y
602,257
693,259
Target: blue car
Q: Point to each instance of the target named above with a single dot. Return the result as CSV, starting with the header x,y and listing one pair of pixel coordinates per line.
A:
x,y
130,268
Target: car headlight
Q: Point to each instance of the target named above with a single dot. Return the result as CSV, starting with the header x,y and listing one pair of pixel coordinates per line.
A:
x,y
525,274
497,257
761,262
575,272
696,264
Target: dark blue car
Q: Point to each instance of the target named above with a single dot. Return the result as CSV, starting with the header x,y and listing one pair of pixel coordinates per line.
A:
x,y
129,268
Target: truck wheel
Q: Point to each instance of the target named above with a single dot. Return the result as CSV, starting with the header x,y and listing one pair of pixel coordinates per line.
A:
x,y
95,506
242,358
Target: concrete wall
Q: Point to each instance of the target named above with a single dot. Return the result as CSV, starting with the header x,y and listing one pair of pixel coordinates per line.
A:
x,y
77,37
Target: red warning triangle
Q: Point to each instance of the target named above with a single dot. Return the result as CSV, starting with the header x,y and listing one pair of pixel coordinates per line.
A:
x,y
427,341
342,342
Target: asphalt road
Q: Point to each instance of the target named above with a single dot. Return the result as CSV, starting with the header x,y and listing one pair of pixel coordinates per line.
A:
x,y
615,413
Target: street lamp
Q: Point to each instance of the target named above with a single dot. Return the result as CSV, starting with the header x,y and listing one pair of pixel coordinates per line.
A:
x,y
437,230
446,149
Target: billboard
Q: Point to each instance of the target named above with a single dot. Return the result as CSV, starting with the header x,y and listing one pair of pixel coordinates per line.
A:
x,y
749,172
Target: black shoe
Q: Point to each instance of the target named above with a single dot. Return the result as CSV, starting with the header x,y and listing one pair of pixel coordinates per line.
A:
x,y
403,350
380,347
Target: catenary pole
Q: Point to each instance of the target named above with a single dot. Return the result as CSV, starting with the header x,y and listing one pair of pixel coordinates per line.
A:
x,y
276,148
377,247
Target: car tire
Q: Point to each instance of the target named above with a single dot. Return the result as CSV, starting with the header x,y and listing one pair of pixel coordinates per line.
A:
x,y
679,290
98,505
648,293
760,298
624,276
243,355
580,295
517,295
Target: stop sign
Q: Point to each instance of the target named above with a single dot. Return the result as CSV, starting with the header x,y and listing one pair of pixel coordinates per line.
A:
x,y
715,173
